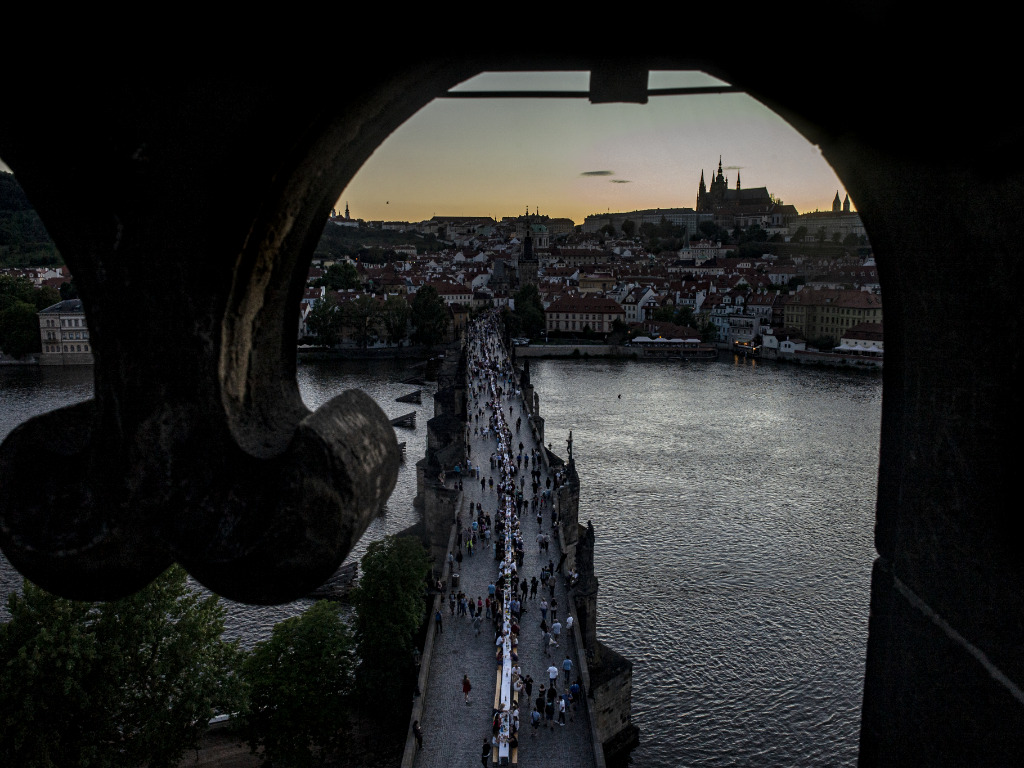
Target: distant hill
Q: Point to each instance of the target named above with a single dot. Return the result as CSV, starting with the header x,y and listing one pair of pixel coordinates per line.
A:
x,y
24,241
369,244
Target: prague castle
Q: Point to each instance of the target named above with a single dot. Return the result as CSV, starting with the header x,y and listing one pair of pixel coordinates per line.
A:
x,y
740,207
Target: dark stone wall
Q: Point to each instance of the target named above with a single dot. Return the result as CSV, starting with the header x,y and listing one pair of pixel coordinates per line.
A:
x,y
201,195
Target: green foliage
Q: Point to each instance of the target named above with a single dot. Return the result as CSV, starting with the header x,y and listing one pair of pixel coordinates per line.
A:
x,y
629,228
299,684
664,314
511,322
711,231
24,241
429,317
362,317
341,277
685,317
19,330
530,311
394,318
369,244
324,322
390,610
127,683
16,289
753,234
20,300
800,235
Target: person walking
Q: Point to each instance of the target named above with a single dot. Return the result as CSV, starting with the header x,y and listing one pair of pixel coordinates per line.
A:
x,y
552,676
567,668
485,754
466,687
438,629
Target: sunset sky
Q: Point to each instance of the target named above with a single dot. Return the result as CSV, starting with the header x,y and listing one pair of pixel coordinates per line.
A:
x,y
570,158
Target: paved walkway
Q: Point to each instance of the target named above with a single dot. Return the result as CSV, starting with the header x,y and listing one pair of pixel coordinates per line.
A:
x,y
454,732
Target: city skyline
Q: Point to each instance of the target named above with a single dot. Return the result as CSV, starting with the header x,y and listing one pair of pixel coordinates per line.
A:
x,y
570,159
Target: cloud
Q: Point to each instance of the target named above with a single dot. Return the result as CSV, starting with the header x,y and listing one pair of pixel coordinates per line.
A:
x,y
598,173
620,181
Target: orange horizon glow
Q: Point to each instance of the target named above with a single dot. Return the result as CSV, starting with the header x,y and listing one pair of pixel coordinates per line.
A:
x,y
498,157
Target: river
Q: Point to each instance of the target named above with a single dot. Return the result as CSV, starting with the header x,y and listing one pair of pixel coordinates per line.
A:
x,y
733,506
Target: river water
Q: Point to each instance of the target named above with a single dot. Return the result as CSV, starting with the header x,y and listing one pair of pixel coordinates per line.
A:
x,y
733,507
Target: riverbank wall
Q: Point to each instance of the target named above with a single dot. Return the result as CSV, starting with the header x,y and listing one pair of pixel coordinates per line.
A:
x,y
607,674
576,350
437,503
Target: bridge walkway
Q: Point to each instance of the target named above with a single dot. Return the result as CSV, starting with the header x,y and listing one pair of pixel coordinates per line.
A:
x,y
454,732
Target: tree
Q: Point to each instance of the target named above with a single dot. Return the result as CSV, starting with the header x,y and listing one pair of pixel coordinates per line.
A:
x,y
666,313
685,316
394,317
390,609
429,317
362,316
299,683
628,228
709,230
19,330
126,683
800,234
341,277
20,300
530,310
324,322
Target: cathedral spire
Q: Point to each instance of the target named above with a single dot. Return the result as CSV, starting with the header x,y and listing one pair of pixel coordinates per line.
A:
x,y
737,179
836,204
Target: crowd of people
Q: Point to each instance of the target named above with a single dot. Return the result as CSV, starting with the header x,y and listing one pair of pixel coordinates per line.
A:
x,y
523,491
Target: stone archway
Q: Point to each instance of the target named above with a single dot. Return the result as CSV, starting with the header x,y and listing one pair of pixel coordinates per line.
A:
x,y
204,197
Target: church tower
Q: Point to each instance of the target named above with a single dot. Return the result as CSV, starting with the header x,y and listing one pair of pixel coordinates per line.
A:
x,y
719,187
528,265
846,203
737,181
702,195
836,205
